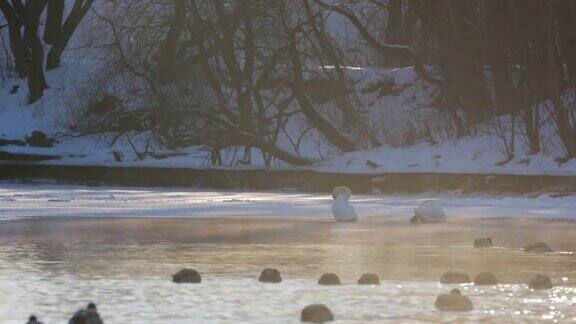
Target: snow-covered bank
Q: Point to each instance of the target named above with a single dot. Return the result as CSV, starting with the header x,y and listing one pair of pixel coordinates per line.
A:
x,y
17,201
405,148
471,155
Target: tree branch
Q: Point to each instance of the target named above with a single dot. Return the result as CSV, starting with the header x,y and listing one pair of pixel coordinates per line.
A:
x,y
419,68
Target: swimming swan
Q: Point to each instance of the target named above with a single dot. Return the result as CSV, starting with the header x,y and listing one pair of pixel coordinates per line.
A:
x,y
341,208
429,212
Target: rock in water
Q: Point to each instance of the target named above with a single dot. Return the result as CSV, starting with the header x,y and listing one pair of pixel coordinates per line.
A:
x,y
537,247
454,302
342,210
187,276
33,320
270,275
485,279
316,313
329,279
429,212
86,316
540,282
454,277
369,279
483,242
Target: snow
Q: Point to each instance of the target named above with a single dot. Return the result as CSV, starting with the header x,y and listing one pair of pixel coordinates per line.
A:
x,y
470,155
21,201
392,115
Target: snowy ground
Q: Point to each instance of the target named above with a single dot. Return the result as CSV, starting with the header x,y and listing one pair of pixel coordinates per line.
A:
x,y
17,201
467,155
480,154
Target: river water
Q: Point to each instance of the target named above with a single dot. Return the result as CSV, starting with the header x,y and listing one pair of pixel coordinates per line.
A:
x,y
51,267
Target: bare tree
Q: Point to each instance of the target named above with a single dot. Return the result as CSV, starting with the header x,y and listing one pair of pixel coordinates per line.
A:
x,y
24,21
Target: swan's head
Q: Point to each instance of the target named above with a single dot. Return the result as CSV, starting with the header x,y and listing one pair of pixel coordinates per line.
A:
x,y
341,191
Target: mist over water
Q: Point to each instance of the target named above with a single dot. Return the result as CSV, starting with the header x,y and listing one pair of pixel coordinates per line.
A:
x,y
128,275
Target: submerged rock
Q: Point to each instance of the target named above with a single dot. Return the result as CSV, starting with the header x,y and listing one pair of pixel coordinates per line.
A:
x,y
537,247
329,279
187,276
89,315
428,212
33,320
485,279
369,279
454,277
540,282
483,242
454,302
270,275
316,313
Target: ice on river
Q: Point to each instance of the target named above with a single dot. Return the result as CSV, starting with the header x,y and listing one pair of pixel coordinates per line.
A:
x,y
51,265
17,201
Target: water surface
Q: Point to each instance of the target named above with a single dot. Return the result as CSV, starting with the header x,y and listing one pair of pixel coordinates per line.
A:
x,y
51,267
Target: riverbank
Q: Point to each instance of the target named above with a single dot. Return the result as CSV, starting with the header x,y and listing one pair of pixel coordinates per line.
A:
x,y
302,180
53,200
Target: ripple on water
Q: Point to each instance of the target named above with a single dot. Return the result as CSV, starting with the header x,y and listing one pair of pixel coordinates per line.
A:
x,y
131,282
246,300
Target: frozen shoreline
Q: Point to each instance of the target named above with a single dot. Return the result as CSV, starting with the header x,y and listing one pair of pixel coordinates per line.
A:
x,y
21,201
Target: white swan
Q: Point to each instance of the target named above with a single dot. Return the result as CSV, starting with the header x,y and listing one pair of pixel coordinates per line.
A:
x,y
429,212
341,208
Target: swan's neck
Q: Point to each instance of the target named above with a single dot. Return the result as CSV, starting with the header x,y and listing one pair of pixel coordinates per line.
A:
x,y
341,198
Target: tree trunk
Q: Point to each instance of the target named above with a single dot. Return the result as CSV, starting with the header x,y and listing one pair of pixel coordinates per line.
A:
x,y
166,58
408,24
566,131
15,24
324,127
498,16
393,28
530,118
54,18
466,59
78,12
35,67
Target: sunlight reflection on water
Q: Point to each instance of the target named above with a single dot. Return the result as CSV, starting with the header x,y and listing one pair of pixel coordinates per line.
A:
x,y
130,282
